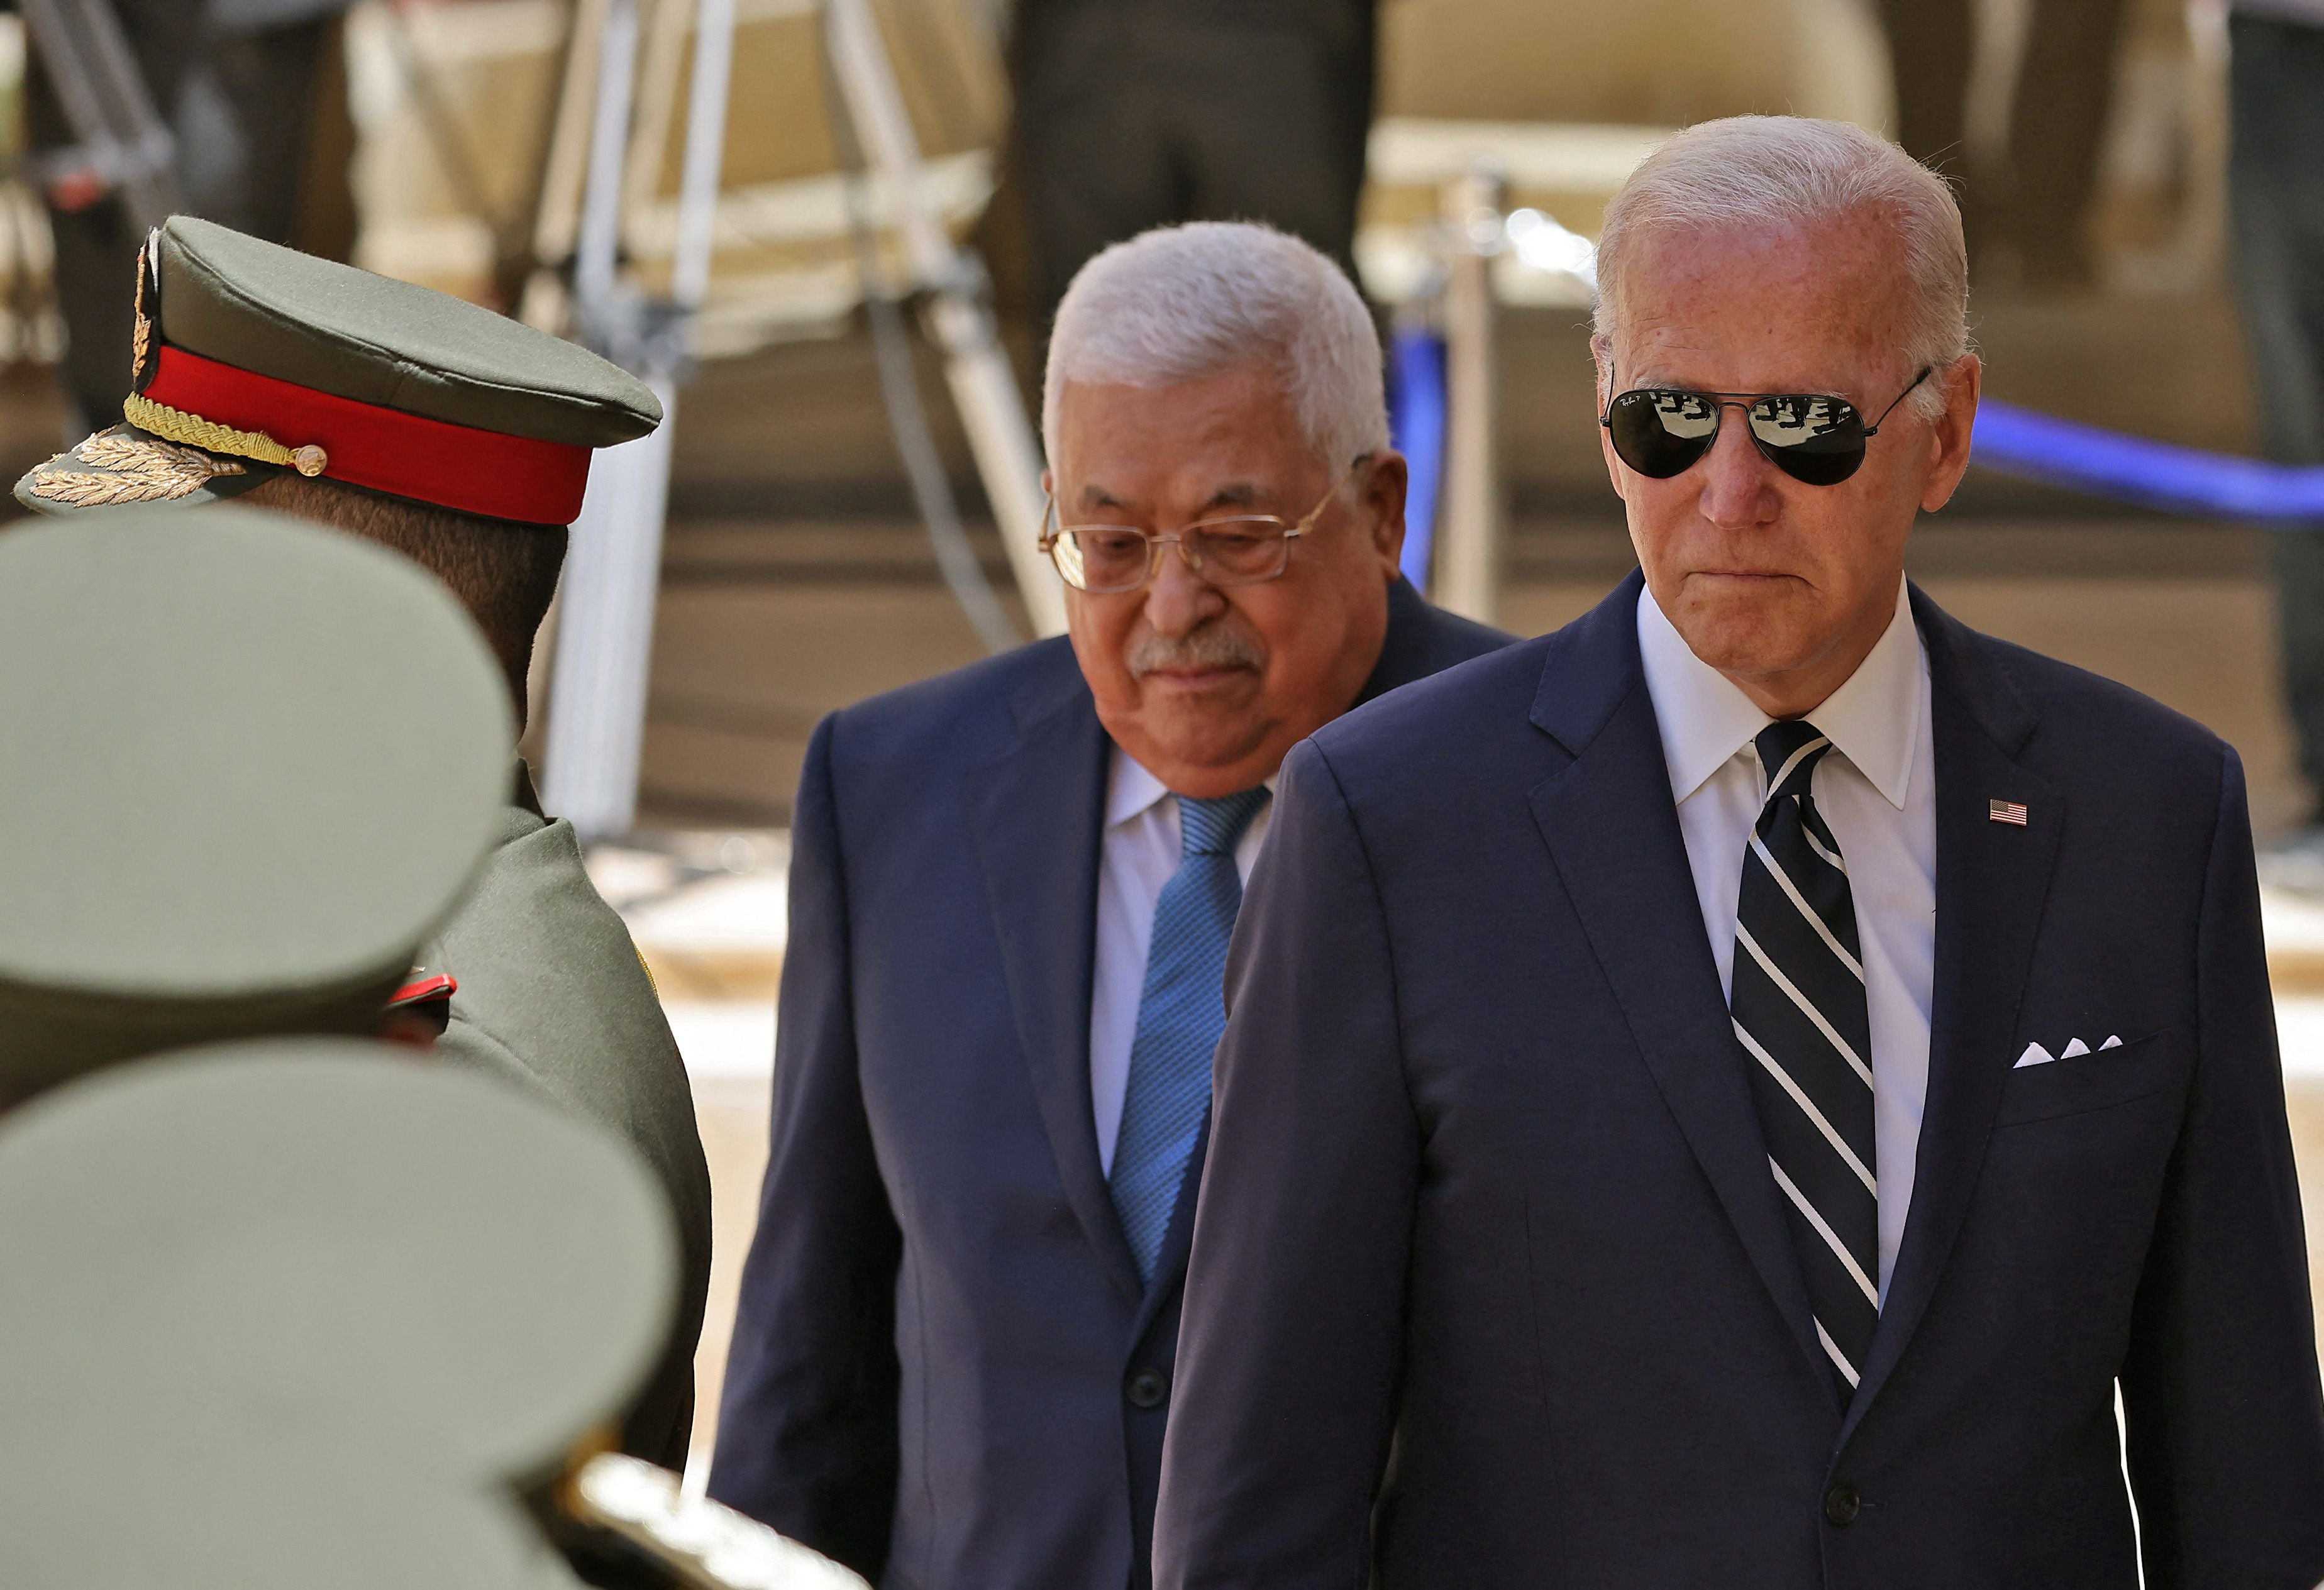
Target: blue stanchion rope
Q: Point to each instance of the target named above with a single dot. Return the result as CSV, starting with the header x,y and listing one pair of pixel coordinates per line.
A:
x,y
2132,469
1415,406
2009,439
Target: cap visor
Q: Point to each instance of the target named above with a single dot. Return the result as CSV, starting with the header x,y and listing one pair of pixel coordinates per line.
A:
x,y
124,465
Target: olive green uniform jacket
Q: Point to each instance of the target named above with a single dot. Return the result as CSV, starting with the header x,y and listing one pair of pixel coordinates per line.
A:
x,y
552,996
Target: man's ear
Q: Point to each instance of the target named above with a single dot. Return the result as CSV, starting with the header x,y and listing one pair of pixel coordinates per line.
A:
x,y
1602,355
1386,478
1949,436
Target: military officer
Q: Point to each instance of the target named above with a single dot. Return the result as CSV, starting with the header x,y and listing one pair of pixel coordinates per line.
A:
x,y
461,439
246,768
251,1349
291,1310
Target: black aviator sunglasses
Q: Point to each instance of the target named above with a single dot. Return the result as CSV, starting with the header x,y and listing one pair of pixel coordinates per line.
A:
x,y
1812,437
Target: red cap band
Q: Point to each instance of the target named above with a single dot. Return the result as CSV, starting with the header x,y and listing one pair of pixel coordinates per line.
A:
x,y
455,466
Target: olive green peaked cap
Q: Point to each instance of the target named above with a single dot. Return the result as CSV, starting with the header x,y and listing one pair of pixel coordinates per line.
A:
x,y
245,307
246,766
262,306
303,1313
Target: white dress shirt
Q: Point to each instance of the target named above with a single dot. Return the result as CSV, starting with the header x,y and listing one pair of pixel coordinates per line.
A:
x,y
1877,790
1140,851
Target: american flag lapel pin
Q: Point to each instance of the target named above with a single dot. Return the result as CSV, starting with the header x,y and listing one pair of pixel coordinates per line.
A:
x,y
2009,812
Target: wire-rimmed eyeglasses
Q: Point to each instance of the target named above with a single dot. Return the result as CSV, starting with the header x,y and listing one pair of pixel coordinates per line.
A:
x,y
1238,549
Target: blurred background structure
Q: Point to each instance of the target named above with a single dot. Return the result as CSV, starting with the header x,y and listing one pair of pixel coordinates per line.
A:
x,y
448,143
842,456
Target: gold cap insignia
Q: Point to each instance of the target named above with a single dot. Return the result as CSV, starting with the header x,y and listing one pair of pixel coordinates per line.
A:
x,y
147,305
136,470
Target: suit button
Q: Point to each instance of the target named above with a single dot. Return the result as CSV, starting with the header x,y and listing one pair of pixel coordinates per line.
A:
x,y
1148,1388
1841,1504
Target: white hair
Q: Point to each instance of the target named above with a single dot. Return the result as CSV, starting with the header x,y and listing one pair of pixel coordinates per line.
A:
x,y
1756,171
1180,303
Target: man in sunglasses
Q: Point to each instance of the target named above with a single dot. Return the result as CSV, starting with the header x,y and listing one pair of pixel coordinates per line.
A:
x,y
1727,1093
1011,891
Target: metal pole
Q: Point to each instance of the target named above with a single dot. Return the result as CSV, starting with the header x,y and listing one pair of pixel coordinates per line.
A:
x,y
1469,546
706,147
123,144
589,741
565,172
983,387
605,645
604,637
609,132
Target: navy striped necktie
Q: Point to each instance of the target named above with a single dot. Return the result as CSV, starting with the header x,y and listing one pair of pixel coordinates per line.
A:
x,y
1797,998
1181,1015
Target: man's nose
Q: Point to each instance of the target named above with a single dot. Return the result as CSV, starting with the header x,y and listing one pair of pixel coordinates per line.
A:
x,y
1738,487
1178,601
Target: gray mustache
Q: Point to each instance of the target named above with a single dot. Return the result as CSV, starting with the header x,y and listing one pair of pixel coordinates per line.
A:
x,y
1204,648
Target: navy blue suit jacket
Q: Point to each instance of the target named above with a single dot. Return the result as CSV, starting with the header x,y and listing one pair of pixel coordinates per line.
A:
x,y
945,1373
1489,1283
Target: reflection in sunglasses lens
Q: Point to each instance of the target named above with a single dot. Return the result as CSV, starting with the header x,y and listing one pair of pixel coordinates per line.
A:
x,y
1789,421
1661,433
1687,414
1815,439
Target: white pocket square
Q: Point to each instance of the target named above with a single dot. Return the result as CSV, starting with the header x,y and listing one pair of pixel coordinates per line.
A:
x,y
2036,1055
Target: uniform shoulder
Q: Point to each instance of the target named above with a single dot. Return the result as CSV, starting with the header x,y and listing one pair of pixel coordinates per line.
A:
x,y
538,870
550,980
554,999
547,969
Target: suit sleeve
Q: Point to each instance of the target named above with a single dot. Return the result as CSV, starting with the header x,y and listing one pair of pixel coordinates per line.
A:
x,y
1289,1351
807,1424
2225,1423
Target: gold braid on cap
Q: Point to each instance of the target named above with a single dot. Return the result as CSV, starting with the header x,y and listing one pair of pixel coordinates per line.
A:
x,y
176,424
136,470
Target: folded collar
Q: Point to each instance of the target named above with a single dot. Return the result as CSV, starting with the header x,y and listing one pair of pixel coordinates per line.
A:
x,y
1874,719
1131,791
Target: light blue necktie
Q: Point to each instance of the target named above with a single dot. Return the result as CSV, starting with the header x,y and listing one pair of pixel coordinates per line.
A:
x,y
1181,1014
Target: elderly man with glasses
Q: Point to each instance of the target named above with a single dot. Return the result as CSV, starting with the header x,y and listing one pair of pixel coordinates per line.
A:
x,y
1738,1091
1011,891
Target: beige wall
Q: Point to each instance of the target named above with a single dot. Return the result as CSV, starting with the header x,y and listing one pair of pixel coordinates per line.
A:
x,y
1658,62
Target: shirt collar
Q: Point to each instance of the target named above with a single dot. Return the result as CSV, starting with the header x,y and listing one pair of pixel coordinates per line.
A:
x,y
1874,719
1131,791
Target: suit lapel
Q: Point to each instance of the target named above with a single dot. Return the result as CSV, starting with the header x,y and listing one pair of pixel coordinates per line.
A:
x,y
1038,813
1611,827
1992,879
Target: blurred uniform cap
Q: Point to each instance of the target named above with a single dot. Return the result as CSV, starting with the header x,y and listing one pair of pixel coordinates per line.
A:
x,y
304,1312
252,359
307,1312
249,766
